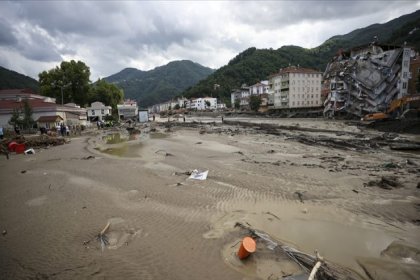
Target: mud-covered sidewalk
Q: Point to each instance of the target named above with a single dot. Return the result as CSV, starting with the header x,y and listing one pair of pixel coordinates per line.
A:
x,y
349,193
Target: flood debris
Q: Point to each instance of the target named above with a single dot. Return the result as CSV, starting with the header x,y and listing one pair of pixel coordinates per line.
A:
x,y
366,79
405,146
163,152
199,175
386,182
300,196
102,238
88,157
182,173
30,151
324,269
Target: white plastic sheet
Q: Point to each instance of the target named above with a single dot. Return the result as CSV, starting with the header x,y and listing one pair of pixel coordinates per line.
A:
x,y
197,175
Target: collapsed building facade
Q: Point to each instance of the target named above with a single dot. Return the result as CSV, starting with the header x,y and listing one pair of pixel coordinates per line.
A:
x,y
366,79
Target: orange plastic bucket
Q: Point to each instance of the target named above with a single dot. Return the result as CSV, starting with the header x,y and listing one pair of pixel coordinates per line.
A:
x,y
248,246
20,148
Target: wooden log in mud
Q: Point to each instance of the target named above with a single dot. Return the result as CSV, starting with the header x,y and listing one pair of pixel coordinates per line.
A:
x,y
327,271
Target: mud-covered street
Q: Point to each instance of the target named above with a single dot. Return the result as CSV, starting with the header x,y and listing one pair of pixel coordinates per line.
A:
x,y
348,192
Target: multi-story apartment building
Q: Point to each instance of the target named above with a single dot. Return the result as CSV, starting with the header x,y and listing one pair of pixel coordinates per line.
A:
x,y
366,79
296,87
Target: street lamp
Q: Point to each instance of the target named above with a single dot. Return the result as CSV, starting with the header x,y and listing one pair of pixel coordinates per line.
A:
x,y
61,89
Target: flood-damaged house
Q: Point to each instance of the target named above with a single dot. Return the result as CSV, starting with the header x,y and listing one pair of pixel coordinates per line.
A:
x,y
44,109
241,96
98,111
128,109
366,79
261,89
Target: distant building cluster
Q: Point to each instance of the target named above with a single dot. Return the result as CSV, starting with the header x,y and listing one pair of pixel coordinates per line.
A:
x,y
46,113
193,104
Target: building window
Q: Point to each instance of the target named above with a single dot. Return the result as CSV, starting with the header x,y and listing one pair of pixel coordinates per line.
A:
x,y
404,86
406,63
404,75
93,112
102,111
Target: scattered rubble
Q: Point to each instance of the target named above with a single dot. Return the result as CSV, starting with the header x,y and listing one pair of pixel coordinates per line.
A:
x,y
386,182
366,79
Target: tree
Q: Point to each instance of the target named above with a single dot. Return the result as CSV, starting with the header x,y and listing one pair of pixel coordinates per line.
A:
x,y
28,121
255,102
107,93
22,117
69,82
207,104
176,107
16,119
237,104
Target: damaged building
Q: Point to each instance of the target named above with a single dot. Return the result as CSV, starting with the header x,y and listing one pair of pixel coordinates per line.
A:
x,y
366,79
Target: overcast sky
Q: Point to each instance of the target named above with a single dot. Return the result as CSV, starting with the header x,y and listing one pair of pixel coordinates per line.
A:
x,y
109,36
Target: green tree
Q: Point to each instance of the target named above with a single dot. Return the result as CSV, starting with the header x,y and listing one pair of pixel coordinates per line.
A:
x,y
176,107
70,79
237,104
107,93
28,120
16,119
22,117
255,102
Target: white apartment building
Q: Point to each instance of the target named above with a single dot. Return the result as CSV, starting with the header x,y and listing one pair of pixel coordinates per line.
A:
x,y
98,111
205,103
296,87
259,88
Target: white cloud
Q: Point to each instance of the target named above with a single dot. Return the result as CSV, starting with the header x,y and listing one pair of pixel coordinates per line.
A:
x,y
109,36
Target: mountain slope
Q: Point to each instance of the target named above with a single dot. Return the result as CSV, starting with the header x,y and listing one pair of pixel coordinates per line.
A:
x,y
159,84
11,80
254,64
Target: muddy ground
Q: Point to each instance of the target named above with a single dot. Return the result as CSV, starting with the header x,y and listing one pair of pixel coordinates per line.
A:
x,y
309,184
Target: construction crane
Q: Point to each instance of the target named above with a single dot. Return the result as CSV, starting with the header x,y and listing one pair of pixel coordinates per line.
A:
x,y
395,104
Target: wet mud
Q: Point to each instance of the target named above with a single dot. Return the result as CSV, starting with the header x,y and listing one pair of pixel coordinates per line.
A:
x,y
164,225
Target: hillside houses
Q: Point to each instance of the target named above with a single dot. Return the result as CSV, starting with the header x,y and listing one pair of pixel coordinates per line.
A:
x,y
193,104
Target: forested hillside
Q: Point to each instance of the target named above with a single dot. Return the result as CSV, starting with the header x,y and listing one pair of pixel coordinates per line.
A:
x,y
10,80
161,83
253,64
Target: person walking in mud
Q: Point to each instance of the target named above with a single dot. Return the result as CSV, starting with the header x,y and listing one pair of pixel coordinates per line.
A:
x,y
153,117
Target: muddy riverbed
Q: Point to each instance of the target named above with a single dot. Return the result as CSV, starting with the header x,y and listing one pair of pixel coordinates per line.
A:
x,y
330,187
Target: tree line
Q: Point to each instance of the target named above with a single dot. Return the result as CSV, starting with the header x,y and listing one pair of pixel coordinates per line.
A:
x,y
70,83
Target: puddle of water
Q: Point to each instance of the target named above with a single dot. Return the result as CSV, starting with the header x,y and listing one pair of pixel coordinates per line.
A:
x,y
158,135
114,138
130,151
